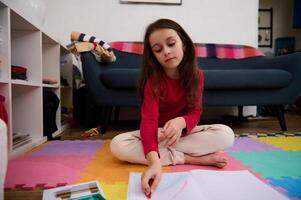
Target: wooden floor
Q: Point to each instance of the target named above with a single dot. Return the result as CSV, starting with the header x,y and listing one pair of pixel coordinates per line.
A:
x,y
251,125
263,125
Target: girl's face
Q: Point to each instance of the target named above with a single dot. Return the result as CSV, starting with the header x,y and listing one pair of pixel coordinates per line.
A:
x,y
167,47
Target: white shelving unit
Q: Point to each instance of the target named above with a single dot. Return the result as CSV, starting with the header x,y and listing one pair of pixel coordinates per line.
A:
x,y
23,44
66,91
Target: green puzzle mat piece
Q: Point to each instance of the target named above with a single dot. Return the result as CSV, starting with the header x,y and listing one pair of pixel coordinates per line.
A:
x,y
274,164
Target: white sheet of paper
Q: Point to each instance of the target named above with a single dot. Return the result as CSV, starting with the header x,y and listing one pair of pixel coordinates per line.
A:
x,y
234,185
173,186
206,184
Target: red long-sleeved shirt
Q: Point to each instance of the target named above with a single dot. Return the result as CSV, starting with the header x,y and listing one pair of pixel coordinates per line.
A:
x,y
156,112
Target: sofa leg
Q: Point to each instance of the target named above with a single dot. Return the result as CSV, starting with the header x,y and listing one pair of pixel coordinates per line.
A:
x,y
241,112
280,115
107,111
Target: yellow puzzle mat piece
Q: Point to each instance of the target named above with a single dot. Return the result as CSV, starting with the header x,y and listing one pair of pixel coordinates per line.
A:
x,y
283,142
108,169
115,191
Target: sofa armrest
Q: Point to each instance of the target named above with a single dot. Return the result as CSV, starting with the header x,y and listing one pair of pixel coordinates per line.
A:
x,y
91,72
101,94
289,62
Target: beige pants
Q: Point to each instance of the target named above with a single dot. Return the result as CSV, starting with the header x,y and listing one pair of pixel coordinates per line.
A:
x,y
203,140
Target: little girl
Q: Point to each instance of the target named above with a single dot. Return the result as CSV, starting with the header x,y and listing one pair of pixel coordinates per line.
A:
x,y
171,90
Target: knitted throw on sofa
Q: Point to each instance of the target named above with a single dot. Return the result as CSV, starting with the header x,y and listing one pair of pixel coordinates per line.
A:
x,y
204,50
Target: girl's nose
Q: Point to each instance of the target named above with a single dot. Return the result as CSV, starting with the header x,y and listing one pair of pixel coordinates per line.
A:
x,y
166,51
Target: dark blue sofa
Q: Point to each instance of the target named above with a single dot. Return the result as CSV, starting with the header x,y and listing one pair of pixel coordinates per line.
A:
x,y
273,81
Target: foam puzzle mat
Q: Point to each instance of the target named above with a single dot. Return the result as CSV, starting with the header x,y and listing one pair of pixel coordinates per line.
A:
x,y
275,160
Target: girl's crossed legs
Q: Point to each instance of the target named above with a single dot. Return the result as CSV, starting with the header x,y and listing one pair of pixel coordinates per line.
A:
x,y
200,147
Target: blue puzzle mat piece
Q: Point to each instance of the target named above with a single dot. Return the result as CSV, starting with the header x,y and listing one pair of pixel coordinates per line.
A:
x,y
291,185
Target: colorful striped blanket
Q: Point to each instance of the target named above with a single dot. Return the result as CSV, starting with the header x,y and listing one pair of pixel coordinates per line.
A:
x,y
222,51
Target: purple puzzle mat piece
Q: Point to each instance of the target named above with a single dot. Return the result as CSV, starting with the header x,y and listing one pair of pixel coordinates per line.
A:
x,y
70,147
250,144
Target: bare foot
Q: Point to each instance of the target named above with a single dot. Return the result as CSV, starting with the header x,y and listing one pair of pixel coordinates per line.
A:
x,y
213,159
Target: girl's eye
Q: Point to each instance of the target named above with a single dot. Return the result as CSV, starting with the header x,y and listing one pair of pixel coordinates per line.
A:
x,y
171,44
157,50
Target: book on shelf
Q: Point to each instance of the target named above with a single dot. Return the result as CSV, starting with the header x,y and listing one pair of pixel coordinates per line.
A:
x,y
20,139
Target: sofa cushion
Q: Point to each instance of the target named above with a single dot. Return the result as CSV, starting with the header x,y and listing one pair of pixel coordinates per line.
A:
x,y
246,78
120,78
214,79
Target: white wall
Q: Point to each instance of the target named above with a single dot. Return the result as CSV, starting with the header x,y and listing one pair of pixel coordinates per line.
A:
x,y
283,20
216,21
219,21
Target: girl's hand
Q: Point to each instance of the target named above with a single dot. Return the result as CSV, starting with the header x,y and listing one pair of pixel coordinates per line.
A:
x,y
152,175
172,131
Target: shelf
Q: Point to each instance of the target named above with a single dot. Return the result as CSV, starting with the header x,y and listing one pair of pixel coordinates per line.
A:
x,y
56,91
2,80
51,86
23,44
4,44
19,23
27,111
48,40
25,83
50,58
27,147
26,51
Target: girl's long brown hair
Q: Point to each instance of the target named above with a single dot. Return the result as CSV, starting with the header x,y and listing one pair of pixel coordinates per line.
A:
x,y
188,68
